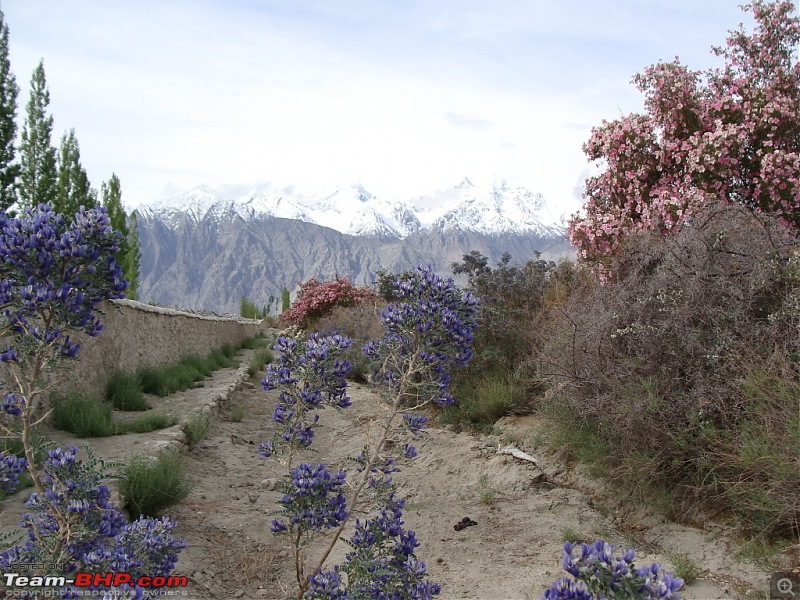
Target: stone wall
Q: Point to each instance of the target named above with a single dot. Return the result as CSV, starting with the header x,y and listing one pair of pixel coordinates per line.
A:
x,y
136,334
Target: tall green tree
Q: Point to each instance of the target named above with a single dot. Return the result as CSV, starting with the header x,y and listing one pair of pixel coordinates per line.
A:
x,y
73,189
132,258
129,254
37,154
9,91
285,300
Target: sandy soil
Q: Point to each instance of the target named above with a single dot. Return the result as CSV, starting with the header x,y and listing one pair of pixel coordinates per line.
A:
x,y
523,510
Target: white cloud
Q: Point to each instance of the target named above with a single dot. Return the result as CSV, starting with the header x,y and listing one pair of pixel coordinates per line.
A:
x,y
403,97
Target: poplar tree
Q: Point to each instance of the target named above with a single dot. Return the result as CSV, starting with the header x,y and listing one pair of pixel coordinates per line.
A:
x,y
129,254
73,189
37,154
285,301
9,91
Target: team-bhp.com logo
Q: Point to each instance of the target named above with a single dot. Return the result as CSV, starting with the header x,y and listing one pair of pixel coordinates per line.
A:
x,y
82,579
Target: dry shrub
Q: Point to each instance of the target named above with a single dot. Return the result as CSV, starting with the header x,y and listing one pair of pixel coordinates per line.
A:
x,y
660,361
243,562
362,323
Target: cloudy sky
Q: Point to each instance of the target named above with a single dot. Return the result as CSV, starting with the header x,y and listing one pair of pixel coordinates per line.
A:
x,y
403,96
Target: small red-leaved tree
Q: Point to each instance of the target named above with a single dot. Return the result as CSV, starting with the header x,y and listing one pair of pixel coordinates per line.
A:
x,y
730,134
317,298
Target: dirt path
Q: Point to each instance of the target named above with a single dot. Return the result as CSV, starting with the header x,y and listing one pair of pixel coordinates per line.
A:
x,y
523,511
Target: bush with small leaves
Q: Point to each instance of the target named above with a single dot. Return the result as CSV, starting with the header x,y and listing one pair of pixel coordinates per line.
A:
x,y
316,299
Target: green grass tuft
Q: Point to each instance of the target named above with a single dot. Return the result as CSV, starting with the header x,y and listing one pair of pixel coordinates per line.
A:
x,y
236,413
684,567
260,358
151,485
148,423
222,360
125,392
480,402
153,380
83,415
202,365
197,428
251,343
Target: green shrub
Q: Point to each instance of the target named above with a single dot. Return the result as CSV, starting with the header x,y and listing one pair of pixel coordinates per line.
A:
x,y
222,360
260,358
197,428
251,343
83,415
181,377
485,398
148,423
236,413
249,310
202,365
151,485
125,392
168,379
153,380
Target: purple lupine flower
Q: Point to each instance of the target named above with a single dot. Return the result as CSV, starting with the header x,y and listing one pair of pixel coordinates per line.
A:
x,y
316,363
600,569
313,499
438,322
10,468
13,404
415,422
326,585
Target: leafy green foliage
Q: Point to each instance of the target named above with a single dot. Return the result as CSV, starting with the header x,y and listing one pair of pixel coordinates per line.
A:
x,y
73,189
129,255
37,154
285,300
249,310
481,401
9,91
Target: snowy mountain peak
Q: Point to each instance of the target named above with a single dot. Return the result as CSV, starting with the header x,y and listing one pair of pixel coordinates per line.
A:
x,y
465,184
495,209
362,193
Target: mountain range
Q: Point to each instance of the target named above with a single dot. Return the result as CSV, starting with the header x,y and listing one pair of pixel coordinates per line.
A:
x,y
205,249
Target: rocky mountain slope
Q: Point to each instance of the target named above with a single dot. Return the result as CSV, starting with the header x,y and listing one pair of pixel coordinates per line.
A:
x,y
205,252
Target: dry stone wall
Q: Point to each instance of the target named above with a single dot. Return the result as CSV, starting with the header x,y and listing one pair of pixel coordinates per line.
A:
x,y
136,334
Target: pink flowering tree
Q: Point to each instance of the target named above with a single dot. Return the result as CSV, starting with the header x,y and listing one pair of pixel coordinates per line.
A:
x,y
317,298
729,134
